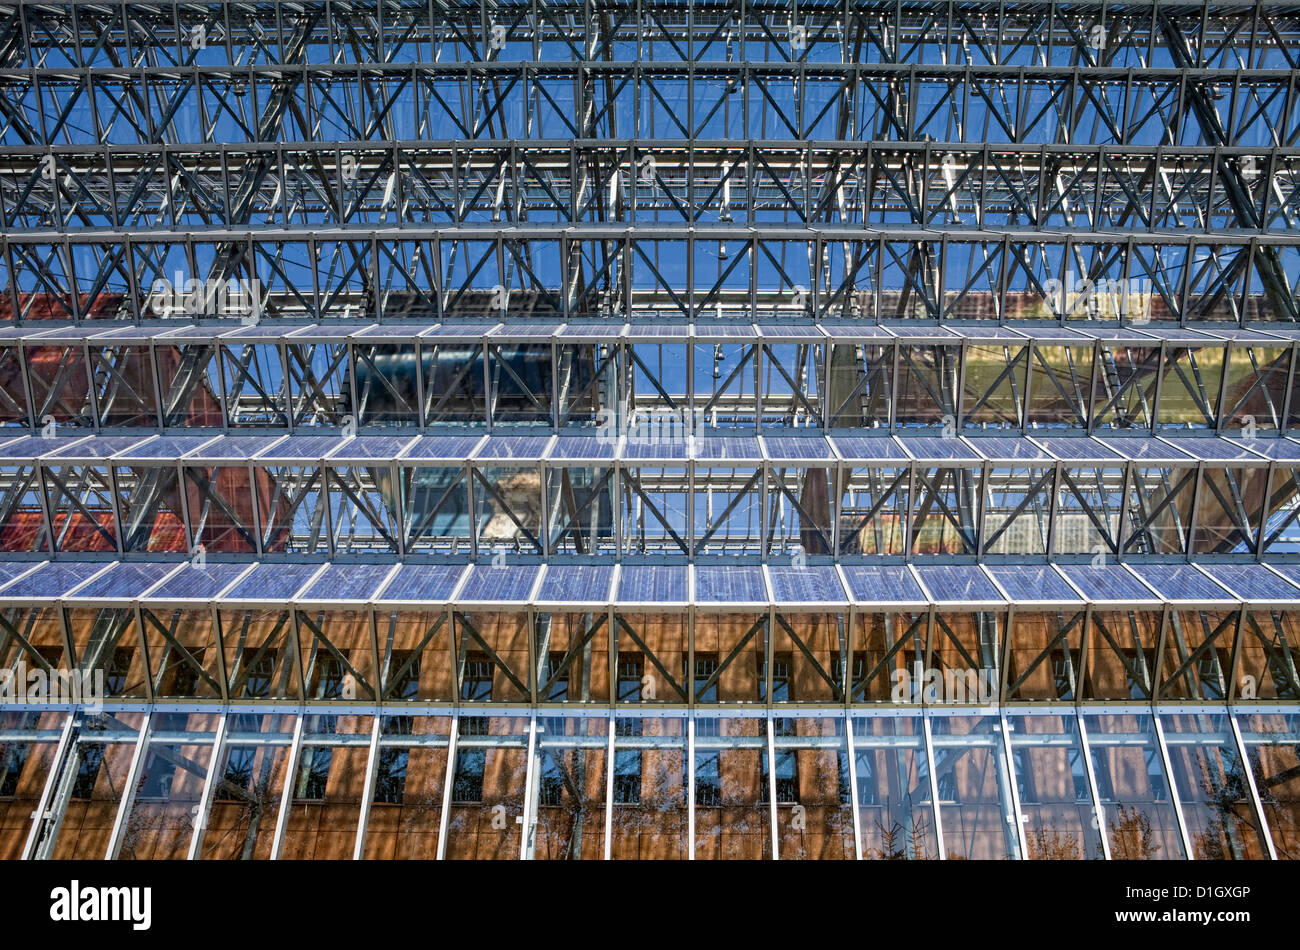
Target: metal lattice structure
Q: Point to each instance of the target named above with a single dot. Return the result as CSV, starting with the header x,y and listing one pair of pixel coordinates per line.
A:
x,y
858,429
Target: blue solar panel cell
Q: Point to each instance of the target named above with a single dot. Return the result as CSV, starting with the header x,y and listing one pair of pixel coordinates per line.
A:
x,y
520,447
742,584
126,580
801,585
433,583
347,582
1033,582
53,580
576,583
958,583
1180,582
653,584
1107,582
883,584
198,583
511,584
1253,582
273,582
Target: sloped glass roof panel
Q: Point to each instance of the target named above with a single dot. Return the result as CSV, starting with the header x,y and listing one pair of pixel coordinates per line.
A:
x,y
856,331
33,447
347,582
454,448
653,584
672,450
164,447
1009,448
925,448
806,448
1279,449
1290,571
883,584
54,579
1216,450
741,584
273,582
96,447
957,583
1031,582
583,447
740,449
514,447
804,585
127,580
379,448
1180,582
1147,450
1107,582
11,569
423,582
725,331
577,583
1253,581
196,583
237,448
869,448
511,583
309,447
1075,449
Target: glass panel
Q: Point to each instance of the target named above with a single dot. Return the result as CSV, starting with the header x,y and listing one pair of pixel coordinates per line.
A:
x,y
259,648
818,824
652,658
415,656
889,657
1052,782
100,761
338,654
183,660
1132,787
732,815
965,655
28,741
250,786
806,658
730,650
170,786
649,818
410,779
329,780
1044,656
1266,665
570,788
1213,788
572,651
487,792
1273,747
895,812
974,792
1121,659
492,656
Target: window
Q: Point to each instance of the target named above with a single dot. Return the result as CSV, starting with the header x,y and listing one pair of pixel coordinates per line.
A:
x,y
88,763
158,777
706,664
119,667
239,774
782,689
555,683
13,756
327,677
631,671
708,788
787,779
476,686
403,676
259,676
467,787
314,774
627,777
551,789
390,778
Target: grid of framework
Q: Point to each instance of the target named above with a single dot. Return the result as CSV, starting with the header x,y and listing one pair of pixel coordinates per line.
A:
x,y
728,429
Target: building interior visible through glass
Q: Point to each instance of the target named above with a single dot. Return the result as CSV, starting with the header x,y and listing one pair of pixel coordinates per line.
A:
x,y
630,431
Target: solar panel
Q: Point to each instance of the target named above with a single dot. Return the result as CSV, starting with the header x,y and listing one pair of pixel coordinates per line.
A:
x,y
1032,582
164,447
653,584
521,447
804,585
1180,582
1147,450
1290,571
958,583
347,582
948,450
869,448
237,448
96,447
741,584
300,447
54,579
511,583
1253,582
1220,450
583,447
443,447
1069,449
798,449
1106,582
576,583
883,584
11,569
672,450
715,448
1010,449
195,583
1273,448
422,582
367,448
273,582
127,580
